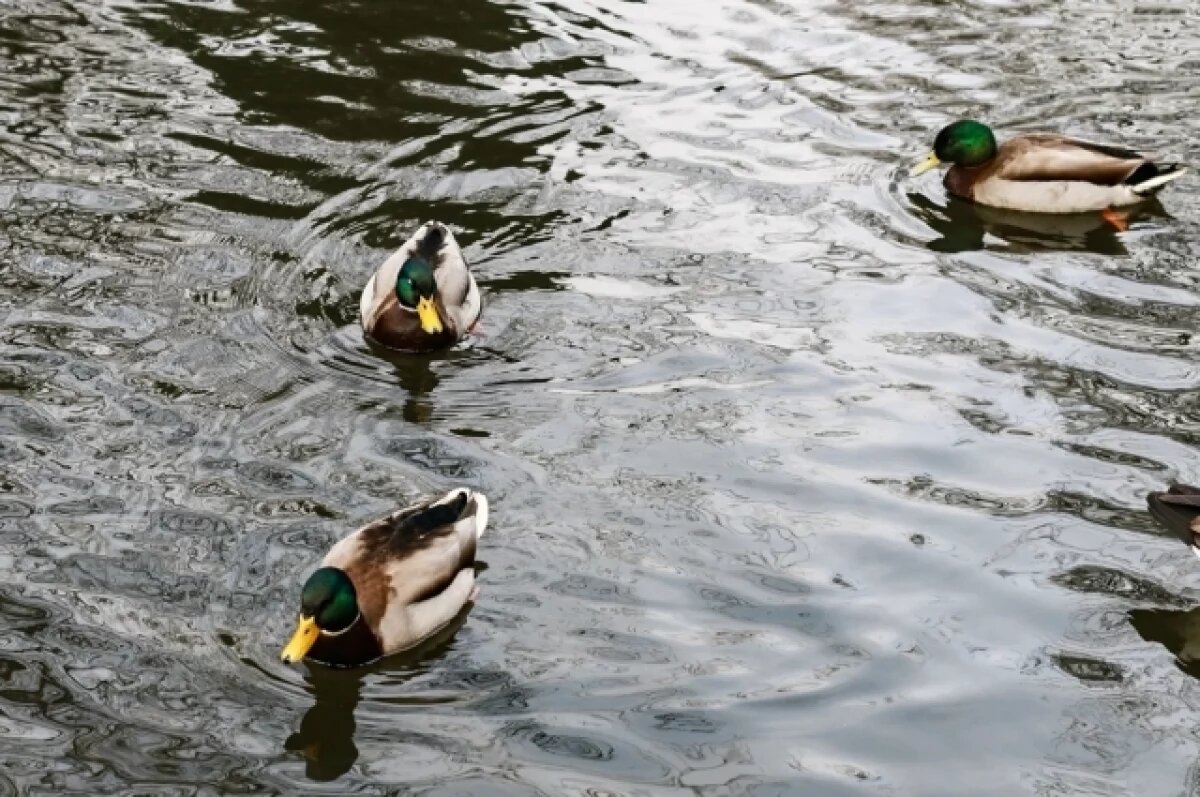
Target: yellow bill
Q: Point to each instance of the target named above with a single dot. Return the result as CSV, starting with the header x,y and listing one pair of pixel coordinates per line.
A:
x,y
430,321
930,161
302,640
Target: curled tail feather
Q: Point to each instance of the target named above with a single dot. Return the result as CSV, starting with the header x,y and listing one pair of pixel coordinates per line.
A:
x,y
481,514
1149,178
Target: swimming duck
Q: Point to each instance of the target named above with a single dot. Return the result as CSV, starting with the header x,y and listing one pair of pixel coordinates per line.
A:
x,y
1179,510
1043,173
392,583
423,297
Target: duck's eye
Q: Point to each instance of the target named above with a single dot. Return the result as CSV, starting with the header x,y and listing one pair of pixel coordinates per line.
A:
x,y
406,292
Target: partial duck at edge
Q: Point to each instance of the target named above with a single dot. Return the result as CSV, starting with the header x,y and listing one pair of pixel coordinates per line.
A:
x,y
1179,510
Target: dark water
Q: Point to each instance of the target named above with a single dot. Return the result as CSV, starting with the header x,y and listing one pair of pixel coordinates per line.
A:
x,y
804,480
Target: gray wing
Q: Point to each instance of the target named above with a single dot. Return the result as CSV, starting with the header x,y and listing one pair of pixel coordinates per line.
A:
x,y
431,567
1051,158
460,294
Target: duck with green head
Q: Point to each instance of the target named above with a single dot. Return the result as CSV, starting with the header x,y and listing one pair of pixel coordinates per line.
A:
x,y
1042,172
423,297
391,584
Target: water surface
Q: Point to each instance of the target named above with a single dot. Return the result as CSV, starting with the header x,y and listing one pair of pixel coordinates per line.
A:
x,y
805,478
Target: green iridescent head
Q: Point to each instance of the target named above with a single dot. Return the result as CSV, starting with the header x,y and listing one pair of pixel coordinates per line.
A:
x,y
329,604
963,143
415,281
416,290
329,598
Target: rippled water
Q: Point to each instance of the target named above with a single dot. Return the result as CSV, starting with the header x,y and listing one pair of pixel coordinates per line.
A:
x,y
805,480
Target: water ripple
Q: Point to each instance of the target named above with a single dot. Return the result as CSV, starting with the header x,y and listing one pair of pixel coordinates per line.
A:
x,y
806,477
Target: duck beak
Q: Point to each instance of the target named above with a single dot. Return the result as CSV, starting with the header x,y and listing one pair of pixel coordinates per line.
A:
x,y
302,640
430,322
930,161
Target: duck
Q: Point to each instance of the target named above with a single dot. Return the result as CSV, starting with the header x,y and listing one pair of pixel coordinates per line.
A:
x,y
391,584
1179,510
423,297
1043,172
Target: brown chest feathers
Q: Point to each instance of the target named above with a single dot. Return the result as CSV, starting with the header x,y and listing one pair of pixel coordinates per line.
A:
x,y
394,327
355,646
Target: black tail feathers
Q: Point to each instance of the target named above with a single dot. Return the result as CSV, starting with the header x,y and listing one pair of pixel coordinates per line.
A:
x,y
432,241
1149,178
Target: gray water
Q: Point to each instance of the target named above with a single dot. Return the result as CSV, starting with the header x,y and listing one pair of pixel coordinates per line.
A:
x,y
805,479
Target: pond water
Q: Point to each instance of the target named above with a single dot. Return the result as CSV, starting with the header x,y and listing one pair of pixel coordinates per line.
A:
x,y
804,479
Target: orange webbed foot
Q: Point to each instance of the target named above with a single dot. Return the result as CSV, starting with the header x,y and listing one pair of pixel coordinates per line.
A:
x,y
1117,218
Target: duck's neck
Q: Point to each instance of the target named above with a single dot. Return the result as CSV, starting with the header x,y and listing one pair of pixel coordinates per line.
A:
x,y
353,623
960,180
354,645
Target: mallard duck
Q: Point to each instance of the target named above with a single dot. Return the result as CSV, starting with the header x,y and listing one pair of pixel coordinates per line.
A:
x,y
422,297
391,584
1179,510
1043,173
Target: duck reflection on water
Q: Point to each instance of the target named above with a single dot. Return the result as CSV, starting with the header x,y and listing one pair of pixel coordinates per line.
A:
x,y
964,226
